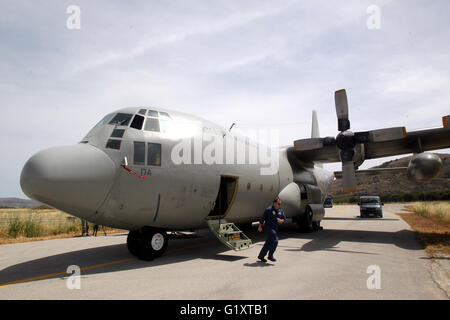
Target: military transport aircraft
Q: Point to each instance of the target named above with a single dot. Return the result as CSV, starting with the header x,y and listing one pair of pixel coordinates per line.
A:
x,y
142,169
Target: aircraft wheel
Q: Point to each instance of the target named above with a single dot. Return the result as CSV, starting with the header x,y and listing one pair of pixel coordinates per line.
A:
x,y
152,243
133,242
316,226
305,221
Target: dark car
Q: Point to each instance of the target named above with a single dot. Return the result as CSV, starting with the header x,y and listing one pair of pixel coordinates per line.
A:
x,y
370,205
328,203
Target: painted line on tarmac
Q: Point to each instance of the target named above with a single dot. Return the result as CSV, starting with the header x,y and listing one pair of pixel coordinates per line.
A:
x,y
333,215
51,275
389,209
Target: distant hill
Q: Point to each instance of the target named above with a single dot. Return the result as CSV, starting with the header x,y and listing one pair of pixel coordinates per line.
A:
x,y
397,183
18,203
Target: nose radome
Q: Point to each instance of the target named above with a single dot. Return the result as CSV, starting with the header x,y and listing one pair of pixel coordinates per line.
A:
x,y
75,179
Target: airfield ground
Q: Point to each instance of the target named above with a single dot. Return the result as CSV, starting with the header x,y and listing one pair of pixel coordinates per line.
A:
x,y
26,224
352,258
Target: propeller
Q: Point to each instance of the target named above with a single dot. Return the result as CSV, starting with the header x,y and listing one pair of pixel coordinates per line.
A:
x,y
346,140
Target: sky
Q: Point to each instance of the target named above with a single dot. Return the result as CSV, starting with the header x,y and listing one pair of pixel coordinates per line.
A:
x,y
253,63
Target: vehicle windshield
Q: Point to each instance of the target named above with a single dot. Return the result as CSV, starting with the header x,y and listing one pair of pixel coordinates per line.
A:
x,y
370,200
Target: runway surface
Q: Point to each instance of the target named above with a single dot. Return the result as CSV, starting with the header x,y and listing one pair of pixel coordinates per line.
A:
x,y
351,258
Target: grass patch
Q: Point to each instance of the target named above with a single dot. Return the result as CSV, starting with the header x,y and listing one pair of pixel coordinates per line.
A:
x,y
435,210
21,225
431,222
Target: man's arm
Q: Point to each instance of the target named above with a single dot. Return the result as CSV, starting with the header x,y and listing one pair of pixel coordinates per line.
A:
x,y
261,221
282,219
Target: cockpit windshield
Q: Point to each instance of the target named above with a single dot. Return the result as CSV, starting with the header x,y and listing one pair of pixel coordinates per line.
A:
x,y
105,120
121,119
147,120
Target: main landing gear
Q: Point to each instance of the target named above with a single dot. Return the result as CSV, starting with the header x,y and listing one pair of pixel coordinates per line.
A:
x,y
305,222
147,243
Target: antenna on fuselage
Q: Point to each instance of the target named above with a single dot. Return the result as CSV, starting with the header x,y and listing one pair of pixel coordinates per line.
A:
x,y
228,130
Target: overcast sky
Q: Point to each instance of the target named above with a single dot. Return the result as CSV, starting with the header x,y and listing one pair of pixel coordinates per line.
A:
x,y
250,62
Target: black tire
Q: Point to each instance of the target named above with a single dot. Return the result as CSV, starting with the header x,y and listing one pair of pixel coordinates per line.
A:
x,y
133,242
316,226
152,243
306,222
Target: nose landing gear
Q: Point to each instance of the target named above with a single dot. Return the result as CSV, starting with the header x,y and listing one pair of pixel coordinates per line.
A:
x,y
147,243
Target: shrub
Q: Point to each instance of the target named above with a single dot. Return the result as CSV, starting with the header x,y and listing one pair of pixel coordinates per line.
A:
x,y
28,228
15,227
32,228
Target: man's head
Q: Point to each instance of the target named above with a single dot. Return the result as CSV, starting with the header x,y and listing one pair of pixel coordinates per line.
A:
x,y
277,203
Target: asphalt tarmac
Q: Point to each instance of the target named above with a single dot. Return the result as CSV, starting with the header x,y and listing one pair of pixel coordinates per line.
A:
x,y
351,258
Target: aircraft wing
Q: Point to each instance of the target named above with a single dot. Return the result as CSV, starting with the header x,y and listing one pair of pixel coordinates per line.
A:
x,y
324,154
413,142
352,148
374,171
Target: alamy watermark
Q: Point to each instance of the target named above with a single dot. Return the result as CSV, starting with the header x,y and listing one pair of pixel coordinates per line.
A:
x,y
374,20
374,281
73,22
203,145
73,281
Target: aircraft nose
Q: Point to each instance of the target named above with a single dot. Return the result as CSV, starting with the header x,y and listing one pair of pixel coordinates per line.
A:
x,y
75,179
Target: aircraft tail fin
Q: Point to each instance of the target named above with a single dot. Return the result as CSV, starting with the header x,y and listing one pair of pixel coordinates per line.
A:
x,y
315,131
315,125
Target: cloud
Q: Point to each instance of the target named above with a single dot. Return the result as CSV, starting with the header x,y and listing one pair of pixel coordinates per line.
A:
x,y
204,28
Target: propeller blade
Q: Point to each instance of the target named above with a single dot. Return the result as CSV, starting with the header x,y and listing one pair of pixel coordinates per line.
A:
x,y
446,121
340,100
348,176
387,134
308,144
380,135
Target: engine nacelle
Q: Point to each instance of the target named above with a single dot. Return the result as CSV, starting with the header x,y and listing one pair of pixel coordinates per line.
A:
x,y
423,167
291,199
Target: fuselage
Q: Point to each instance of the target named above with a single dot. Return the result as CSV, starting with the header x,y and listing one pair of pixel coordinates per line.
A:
x,y
161,168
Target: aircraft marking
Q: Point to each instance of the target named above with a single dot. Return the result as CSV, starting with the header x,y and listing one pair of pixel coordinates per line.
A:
x,y
333,215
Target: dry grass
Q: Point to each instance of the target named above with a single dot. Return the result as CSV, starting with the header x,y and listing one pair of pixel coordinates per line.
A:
x,y
431,221
435,210
22,225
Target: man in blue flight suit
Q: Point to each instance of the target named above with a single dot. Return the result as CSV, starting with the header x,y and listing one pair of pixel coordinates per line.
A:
x,y
272,217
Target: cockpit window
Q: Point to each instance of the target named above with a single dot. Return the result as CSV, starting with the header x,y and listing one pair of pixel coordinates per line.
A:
x,y
105,120
117,133
142,111
152,113
139,153
137,122
121,119
113,144
164,115
152,125
154,154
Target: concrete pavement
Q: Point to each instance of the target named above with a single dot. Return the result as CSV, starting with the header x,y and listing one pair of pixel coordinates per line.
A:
x,y
352,258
